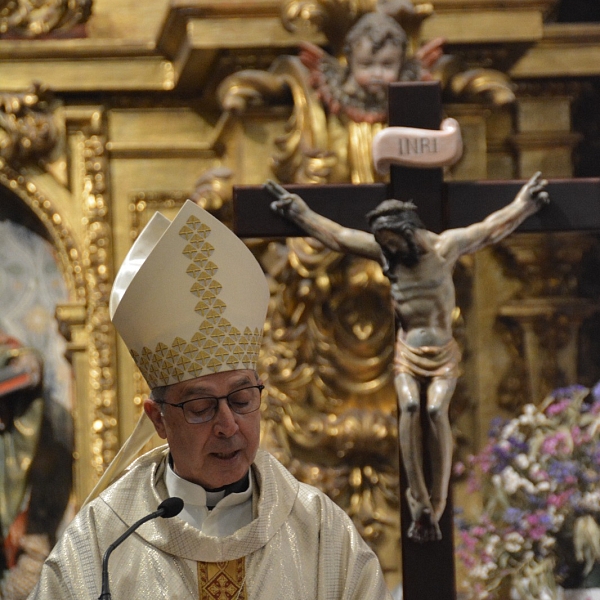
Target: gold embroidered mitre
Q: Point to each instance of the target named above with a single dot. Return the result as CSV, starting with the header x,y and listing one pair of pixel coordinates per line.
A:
x,y
190,299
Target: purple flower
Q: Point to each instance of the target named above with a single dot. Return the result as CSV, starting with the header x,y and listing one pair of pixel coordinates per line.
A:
x,y
513,515
568,392
564,472
521,447
497,424
596,393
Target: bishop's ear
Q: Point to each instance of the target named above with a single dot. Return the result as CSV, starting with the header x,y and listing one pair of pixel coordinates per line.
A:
x,y
154,413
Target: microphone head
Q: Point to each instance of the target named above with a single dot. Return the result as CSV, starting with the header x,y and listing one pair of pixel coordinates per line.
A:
x,y
170,507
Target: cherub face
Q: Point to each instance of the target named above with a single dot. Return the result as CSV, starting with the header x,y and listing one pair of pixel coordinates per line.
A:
x,y
373,71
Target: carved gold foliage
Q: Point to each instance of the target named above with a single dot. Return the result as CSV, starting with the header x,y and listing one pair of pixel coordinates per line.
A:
x,y
301,153
33,18
28,129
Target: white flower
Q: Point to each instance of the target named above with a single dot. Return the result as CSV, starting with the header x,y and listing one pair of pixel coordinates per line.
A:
x,y
511,480
546,543
508,431
531,416
536,472
482,571
490,547
522,461
591,501
513,542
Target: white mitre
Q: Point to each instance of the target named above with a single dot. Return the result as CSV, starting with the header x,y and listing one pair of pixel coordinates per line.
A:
x,y
190,299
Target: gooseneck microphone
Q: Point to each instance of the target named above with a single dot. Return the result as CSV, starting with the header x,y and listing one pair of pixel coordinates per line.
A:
x,y
166,509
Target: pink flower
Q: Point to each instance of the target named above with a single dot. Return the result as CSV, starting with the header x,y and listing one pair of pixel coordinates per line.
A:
x,y
557,407
555,444
559,500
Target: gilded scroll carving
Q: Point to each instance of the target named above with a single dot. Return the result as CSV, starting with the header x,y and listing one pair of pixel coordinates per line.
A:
x,y
214,192
27,18
28,127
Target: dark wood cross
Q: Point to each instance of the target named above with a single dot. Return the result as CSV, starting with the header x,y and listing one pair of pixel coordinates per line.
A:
x,y
427,569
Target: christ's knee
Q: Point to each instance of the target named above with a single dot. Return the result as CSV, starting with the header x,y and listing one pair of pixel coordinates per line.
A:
x,y
436,412
410,406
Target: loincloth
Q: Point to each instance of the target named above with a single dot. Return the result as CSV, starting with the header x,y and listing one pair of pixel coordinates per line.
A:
x,y
427,361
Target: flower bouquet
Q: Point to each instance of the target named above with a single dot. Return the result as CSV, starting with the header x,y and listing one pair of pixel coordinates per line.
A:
x,y
539,475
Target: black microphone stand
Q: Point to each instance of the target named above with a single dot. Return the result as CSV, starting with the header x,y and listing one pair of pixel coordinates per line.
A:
x,y
167,509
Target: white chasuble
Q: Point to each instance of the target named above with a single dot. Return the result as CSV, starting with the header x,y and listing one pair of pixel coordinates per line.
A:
x,y
299,545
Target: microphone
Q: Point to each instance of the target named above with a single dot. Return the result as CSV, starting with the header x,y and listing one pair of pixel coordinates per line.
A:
x,y
166,509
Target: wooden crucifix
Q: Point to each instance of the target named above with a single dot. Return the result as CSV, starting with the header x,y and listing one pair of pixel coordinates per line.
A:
x,y
428,568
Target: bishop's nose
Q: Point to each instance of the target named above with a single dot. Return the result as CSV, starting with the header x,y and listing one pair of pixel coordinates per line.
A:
x,y
225,424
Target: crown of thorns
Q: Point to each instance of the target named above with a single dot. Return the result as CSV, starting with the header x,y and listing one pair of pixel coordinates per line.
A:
x,y
390,207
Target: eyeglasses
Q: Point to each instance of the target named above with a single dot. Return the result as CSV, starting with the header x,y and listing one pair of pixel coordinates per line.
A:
x,y
202,410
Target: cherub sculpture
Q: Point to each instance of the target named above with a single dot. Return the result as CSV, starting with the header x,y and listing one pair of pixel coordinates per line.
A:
x,y
375,51
419,265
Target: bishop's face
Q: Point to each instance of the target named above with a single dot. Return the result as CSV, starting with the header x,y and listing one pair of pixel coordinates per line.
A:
x,y
215,453
373,71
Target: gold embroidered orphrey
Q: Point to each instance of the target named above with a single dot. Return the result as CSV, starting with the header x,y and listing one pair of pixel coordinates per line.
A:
x,y
216,342
222,580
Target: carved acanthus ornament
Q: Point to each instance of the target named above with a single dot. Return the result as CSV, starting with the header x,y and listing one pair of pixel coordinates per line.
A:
x,y
33,18
28,127
542,322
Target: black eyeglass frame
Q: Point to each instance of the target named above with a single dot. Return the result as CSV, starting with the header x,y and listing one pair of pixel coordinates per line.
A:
x,y
181,405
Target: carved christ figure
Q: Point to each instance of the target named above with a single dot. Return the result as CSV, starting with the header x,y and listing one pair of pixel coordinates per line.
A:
x,y
419,265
